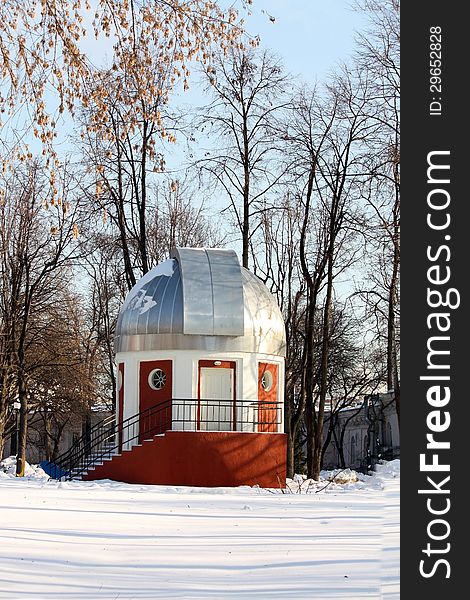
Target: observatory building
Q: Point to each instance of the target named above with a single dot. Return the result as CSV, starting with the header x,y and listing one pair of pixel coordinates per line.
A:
x,y
200,346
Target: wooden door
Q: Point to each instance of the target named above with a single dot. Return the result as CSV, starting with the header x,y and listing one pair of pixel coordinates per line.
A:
x,y
216,407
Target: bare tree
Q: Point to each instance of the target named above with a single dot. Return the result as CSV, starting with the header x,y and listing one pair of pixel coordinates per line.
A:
x,y
248,90
36,241
121,164
378,55
103,291
277,264
326,133
176,219
145,209
355,369
60,389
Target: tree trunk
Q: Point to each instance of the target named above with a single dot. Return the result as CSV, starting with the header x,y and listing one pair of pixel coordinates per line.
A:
x,y
308,384
22,429
392,359
329,435
391,332
142,206
118,199
14,438
87,431
290,467
397,402
48,428
57,438
340,444
3,417
309,424
318,433
246,195
290,455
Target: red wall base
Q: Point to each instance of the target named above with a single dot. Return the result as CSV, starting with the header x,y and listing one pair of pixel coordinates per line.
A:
x,y
208,459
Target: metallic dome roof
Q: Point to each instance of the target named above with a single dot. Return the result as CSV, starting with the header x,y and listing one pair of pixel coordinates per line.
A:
x,y
200,299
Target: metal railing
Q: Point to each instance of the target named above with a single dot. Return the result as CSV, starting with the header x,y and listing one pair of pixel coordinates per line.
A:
x,y
80,446
107,437
226,415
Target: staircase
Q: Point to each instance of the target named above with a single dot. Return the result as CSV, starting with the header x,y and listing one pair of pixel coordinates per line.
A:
x,y
108,439
97,457
120,465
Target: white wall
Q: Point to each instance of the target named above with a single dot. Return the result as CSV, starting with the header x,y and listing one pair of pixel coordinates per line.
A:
x,y
185,376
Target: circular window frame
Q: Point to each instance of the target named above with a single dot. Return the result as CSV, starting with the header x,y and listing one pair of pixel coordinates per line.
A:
x,y
151,382
267,381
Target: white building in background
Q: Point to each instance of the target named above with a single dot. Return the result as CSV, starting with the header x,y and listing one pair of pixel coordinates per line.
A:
x,y
371,432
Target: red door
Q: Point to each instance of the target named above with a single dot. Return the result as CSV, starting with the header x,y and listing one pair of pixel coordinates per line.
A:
x,y
120,390
155,389
267,397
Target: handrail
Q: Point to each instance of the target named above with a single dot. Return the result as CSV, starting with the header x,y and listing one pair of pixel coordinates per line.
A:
x,y
107,439
86,436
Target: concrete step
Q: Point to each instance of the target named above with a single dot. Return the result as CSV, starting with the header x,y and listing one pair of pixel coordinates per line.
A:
x,y
100,461
150,440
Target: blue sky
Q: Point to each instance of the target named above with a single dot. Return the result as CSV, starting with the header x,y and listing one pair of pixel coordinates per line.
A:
x,y
311,36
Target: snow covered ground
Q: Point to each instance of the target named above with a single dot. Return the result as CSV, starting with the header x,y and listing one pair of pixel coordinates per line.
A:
x,y
94,540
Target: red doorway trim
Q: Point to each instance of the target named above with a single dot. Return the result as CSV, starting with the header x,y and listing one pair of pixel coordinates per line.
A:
x,y
222,364
120,392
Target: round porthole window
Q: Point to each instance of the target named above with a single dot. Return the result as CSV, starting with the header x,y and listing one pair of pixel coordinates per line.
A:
x,y
157,379
267,381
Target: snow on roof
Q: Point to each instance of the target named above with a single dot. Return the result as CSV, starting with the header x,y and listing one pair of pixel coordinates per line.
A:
x,y
164,269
